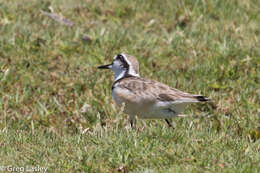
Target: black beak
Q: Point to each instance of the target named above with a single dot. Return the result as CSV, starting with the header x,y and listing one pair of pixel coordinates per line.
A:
x,y
108,66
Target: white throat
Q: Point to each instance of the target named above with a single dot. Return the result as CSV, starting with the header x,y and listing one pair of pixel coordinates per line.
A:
x,y
119,74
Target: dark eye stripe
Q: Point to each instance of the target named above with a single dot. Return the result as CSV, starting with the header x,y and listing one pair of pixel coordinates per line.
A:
x,y
120,57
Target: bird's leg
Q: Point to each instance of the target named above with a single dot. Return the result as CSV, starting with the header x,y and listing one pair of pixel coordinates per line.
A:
x,y
169,124
132,121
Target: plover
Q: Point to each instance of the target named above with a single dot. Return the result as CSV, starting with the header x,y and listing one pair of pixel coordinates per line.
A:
x,y
145,98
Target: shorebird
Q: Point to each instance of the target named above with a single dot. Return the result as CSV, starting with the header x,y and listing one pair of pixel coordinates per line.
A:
x,y
146,98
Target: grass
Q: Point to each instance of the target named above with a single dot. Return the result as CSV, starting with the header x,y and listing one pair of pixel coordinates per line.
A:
x,y
56,109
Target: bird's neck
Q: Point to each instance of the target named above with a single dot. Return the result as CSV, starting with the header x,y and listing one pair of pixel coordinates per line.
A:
x,y
124,73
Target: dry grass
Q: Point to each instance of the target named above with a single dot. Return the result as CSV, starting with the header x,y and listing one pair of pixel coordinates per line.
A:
x,y
56,108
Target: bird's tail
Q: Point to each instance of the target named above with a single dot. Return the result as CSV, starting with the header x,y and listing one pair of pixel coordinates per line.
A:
x,y
202,98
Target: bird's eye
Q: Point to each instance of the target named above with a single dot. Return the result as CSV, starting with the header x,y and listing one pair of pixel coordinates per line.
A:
x,y
120,57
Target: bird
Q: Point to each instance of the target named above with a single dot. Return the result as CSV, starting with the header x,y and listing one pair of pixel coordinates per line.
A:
x,y
144,98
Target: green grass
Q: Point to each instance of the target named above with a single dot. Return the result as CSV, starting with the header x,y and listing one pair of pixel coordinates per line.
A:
x,y
48,74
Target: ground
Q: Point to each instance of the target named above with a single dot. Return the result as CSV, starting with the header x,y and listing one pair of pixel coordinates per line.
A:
x,y
56,109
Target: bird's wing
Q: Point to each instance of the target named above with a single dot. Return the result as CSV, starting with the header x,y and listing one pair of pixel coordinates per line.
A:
x,y
152,91
138,89
178,96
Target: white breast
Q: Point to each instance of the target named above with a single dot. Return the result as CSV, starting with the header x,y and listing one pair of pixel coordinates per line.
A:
x,y
116,97
132,103
135,105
